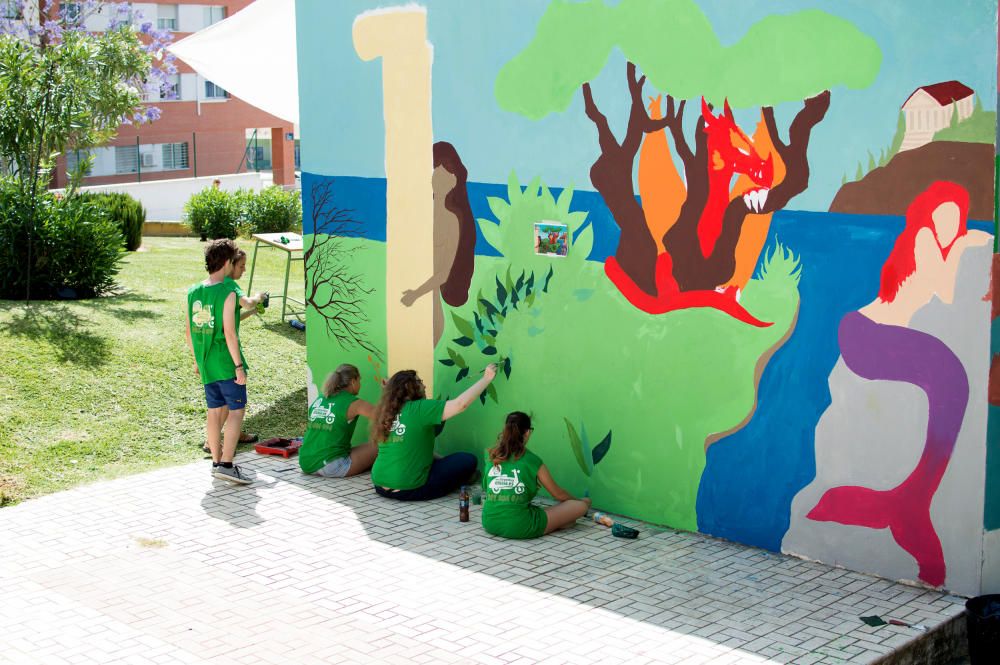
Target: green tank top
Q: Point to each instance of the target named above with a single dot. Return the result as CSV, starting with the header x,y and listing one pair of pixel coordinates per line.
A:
x,y
329,432
508,489
206,303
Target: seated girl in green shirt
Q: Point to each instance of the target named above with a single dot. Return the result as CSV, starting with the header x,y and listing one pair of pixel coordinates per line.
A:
x,y
512,482
403,426
326,447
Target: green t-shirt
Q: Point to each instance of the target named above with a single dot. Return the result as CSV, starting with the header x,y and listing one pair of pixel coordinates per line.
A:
x,y
508,489
206,303
405,458
329,432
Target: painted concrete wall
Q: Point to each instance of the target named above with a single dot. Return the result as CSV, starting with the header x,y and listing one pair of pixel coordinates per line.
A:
x,y
700,342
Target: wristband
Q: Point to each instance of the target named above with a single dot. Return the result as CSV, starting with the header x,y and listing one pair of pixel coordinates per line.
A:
x,y
240,366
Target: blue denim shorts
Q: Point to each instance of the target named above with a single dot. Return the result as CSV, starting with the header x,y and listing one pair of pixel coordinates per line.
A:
x,y
226,393
338,468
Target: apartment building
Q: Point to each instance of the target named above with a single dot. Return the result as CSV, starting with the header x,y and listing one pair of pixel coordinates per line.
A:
x,y
202,129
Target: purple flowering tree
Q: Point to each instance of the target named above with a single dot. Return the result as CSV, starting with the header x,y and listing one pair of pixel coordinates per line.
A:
x,y
71,73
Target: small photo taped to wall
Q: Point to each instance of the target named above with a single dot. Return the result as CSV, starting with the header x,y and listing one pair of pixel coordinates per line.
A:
x,y
551,239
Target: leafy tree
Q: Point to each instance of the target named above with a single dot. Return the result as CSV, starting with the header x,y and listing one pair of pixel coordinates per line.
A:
x,y
63,88
678,51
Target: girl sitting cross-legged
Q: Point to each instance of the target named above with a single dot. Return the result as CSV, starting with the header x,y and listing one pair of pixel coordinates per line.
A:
x,y
512,482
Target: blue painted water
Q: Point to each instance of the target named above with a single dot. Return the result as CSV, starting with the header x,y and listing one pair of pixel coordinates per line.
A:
x,y
750,477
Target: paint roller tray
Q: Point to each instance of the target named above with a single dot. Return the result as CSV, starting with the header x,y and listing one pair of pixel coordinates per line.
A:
x,y
278,446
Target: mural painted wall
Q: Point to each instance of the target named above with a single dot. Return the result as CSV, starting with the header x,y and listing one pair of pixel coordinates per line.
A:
x,y
734,260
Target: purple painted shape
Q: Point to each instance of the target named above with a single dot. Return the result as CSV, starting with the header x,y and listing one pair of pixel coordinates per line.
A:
x,y
884,352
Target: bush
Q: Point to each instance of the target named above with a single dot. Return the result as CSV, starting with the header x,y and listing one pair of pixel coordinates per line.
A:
x,y
271,210
75,248
212,213
126,212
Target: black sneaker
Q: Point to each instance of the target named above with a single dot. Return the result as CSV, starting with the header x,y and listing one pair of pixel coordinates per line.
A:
x,y
232,474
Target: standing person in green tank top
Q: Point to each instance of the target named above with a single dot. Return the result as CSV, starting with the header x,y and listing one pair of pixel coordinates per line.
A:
x,y
326,449
403,428
248,308
512,482
213,335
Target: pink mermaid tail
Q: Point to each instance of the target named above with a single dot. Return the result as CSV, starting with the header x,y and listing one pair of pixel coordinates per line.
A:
x,y
893,353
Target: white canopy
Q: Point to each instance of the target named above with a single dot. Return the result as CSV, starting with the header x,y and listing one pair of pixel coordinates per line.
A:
x,y
251,54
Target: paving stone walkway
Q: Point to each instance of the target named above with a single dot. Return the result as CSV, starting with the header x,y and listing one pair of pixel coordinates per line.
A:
x,y
175,567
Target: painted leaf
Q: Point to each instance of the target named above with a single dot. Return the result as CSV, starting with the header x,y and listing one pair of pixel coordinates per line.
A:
x,y
530,300
479,321
514,299
462,325
462,341
602,448
490,351
576,219
491,390
499,208
506,366
462,373
562,203
490,340
577,446
501,293
491,233
513,188
545,288
447,362
548,201
490,332
584,243
533,187
489,307
519,284
508,282
585,447
480,340
482,398
480,306
457,358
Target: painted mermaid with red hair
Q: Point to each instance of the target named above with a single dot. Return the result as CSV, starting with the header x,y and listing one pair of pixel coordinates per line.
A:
x,y
877,343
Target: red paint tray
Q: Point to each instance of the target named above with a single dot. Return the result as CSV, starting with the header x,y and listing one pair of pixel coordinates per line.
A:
x,y
278,446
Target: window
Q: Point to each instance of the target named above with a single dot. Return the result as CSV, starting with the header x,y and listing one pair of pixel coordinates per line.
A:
x,y
175,156
171,89
73,160
10,9
70,11
166,17
214,15
213,91
126,159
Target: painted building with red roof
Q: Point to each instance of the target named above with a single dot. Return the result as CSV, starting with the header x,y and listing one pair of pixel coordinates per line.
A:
x,y
930,108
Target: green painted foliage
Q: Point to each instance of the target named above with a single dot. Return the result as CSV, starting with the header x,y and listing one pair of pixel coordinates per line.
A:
x,y
513,233
675,46
977,128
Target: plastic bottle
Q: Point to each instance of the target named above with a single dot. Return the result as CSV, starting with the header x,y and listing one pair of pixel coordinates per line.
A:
x,y
463,504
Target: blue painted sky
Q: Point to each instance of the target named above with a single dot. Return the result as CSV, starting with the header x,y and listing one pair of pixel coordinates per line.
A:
x,y
922,41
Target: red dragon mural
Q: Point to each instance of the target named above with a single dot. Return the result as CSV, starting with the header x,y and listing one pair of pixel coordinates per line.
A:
x,y
699,248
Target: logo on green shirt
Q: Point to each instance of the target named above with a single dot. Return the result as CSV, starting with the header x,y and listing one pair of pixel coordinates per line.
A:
x,y
501,482
320,412
398,428
201,315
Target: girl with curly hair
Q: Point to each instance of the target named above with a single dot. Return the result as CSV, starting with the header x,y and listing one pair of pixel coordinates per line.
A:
x,y
403,428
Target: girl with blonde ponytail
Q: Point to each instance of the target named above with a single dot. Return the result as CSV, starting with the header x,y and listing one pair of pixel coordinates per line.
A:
x,y
512,482
326,448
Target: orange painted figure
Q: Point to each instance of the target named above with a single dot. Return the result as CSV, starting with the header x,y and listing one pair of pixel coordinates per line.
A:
x,y
661,187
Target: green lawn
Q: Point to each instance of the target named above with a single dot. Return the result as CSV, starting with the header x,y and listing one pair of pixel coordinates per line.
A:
x,y
100,388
